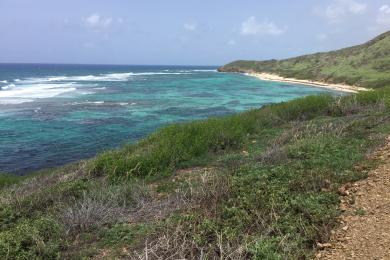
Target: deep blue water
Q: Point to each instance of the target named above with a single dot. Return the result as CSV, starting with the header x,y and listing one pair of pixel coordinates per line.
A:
x,y
51,115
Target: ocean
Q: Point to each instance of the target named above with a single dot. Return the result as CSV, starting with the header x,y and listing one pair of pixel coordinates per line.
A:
x,y
52,114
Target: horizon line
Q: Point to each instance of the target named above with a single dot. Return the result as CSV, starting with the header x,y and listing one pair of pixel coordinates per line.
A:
x,y
103,64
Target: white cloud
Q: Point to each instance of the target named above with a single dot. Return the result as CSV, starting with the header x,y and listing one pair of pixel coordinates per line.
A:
x,y
232,42
385,9
383,17
339,9
322,37
355,7
120,20
252,27
190,26
96,22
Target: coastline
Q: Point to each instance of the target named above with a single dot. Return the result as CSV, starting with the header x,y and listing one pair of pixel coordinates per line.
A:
x,y
277,78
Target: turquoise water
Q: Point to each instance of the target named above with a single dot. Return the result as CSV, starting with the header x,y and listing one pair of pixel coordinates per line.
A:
x,y
51,115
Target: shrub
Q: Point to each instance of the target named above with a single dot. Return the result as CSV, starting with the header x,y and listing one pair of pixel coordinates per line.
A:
x,y
89,213
194,241
274,154
265,248
124,234
32,239
102,205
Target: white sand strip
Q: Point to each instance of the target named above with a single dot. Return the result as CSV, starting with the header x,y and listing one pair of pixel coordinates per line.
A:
x,y
337,87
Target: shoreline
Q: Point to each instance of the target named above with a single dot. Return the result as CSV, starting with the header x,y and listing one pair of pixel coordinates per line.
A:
x,y
277,78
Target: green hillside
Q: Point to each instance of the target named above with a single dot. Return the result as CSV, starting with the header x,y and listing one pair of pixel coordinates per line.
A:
x,y
261,184
365,65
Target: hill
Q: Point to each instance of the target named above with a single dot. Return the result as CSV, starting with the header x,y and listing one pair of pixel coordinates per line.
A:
x,y
365,65
262,184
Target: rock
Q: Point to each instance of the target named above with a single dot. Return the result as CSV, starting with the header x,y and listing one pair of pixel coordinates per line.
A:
x,y
343,191
343,207
324,245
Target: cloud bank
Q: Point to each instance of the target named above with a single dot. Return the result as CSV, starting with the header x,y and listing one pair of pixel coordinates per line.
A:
x,y
338,10
190,26
252,27
384,15
97,22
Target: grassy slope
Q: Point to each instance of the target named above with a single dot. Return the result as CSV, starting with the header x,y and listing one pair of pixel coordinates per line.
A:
x,y
265,187
365,65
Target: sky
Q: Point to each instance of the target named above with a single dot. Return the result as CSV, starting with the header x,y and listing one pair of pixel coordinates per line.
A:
x,y
177,32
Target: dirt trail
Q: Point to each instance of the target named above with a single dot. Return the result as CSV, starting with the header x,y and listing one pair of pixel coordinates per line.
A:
x,y
364,232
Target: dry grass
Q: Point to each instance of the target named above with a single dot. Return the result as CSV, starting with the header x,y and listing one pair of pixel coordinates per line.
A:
x,y
155,209
32,185
89,213
101,206
274,154
200,191
277,151
179,244
207,190
353,106
204,189
301,130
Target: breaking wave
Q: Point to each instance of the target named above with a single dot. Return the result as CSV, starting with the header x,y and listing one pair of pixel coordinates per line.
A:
x,y
12,94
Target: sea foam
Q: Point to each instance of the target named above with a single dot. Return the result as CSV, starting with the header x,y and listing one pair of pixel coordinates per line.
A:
x,y
13,94
205,70
101,77
7,86
29,89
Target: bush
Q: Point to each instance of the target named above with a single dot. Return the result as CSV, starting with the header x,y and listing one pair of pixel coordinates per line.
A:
x,y
32,239
124,234
101,206
89,213
265,248
274,154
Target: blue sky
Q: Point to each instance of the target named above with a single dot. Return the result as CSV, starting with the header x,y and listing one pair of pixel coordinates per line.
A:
x,y
182,32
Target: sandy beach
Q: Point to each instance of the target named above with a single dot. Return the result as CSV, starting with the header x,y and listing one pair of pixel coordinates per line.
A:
x,y
337,87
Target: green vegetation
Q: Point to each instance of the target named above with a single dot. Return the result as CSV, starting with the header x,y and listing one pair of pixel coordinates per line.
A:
x,y
365,65
30,239
8,179
260,184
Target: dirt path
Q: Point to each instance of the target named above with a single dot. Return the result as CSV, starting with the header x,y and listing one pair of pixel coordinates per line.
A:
x,y
365,223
